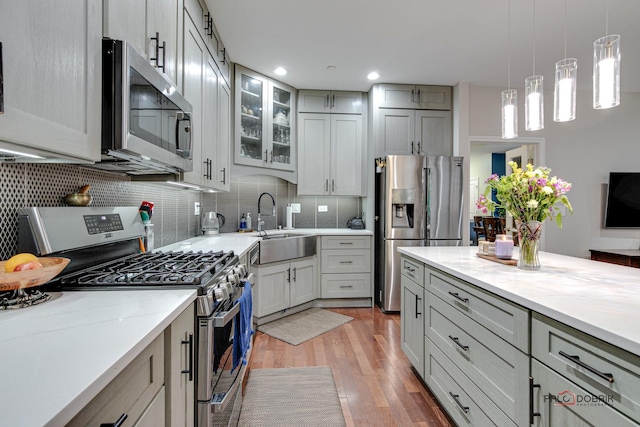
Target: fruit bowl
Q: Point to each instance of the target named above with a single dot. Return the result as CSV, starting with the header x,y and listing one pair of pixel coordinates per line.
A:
x,y
51,267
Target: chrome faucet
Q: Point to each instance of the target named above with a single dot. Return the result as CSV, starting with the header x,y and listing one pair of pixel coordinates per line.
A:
x,y
260,221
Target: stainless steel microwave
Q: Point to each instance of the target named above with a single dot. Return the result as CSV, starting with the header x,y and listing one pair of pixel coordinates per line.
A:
x,y
146,123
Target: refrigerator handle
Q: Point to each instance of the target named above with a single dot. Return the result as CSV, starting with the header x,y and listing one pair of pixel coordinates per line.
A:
x,y
427,209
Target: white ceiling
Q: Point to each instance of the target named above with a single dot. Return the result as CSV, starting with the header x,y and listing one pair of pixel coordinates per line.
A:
x,y
439,42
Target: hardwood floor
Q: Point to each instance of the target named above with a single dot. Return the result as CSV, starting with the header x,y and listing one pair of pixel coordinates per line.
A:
x,y
375,382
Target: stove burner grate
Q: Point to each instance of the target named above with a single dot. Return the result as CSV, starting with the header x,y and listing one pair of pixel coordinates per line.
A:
x,y
21,298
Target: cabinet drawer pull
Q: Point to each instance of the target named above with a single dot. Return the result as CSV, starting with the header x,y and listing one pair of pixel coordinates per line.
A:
x,y
189,343
410,269
531,412
346,286
346,262
346,243
117,423
457,400
417,300
455,340
458,297
576,360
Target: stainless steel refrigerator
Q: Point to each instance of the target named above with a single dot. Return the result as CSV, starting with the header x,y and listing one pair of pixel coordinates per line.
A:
x,y
419,202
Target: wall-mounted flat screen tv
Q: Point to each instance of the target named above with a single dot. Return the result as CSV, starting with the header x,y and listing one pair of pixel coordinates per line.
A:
x,y
623,200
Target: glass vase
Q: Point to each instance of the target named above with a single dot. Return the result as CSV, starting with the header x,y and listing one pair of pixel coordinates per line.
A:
x,y
529,236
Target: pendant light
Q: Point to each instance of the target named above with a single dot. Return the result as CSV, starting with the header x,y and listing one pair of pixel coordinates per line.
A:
x,y
606,69
533,91
564,94
509,96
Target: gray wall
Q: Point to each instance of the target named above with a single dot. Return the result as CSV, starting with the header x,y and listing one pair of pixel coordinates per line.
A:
x,y
582,152
174,219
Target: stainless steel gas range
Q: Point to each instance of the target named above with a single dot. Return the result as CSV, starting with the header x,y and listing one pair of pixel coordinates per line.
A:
x,y
104,248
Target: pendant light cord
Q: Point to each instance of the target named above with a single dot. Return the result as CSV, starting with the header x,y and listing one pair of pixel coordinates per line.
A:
x,y
534,38
509,45
565,29
606,18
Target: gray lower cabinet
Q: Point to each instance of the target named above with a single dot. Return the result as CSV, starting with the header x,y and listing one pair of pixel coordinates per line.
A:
x,y
345,267
412,321
559,402
179,370
134,392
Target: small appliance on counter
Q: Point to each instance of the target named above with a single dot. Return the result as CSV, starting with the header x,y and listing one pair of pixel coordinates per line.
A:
x,y
356,223
211,223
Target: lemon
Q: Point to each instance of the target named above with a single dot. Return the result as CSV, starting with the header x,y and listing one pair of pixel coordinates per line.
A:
x,y
18,259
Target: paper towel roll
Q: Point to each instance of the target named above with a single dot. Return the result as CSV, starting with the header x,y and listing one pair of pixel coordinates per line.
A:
x,y
289,225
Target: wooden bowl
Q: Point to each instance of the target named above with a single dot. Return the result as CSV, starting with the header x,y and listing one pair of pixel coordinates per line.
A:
x,y
51,267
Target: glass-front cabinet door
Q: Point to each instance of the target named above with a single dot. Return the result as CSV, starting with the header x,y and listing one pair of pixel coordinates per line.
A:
x,y
265,116
250,95
281,156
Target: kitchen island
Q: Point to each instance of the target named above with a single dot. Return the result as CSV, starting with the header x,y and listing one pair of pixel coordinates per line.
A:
x,y
58,355
488,327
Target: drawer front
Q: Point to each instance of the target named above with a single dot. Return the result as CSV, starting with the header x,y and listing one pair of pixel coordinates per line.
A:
x,y
353,285
460,397
346,242
559,402
414,270
346,261
549,338
499,369
130,392
505,319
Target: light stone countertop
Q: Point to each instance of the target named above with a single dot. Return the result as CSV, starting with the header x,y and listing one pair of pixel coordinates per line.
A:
x,y
240,243
600,299
57,356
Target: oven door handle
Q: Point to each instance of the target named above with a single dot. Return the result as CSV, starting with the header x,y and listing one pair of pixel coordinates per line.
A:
x,y
189,371
224,317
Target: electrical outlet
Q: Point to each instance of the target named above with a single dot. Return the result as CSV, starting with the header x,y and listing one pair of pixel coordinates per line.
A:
x,y
323,208
196,208
295,207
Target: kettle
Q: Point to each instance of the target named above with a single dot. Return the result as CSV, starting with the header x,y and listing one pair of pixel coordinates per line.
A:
x,y
211,222
356,223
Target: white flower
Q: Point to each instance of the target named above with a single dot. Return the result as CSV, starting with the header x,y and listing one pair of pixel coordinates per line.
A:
x,y
532,204
547,190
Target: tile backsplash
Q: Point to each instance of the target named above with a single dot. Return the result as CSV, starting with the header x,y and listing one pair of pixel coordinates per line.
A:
x,y
43,184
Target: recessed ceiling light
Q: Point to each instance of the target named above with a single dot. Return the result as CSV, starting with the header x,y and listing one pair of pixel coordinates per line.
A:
x,y
280,71
331,67
373,75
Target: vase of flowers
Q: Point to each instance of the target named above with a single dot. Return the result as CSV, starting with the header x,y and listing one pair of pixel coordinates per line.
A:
x,y
530,196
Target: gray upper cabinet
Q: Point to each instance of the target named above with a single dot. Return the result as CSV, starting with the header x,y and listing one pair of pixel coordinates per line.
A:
x,y
153,27
329,101
414,96
401,131
52,78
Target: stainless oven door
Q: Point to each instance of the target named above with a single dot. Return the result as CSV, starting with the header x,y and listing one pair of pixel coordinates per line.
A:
x,y
217,386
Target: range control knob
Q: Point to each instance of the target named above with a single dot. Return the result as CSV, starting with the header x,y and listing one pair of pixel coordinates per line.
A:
x,y
233,278
240,270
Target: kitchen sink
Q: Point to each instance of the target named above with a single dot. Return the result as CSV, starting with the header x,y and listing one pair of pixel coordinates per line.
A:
x,y
283,247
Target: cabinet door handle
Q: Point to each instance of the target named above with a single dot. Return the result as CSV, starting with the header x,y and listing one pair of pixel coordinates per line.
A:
x,y
417,300
532,414
295,273
157,57
333,101
210,32
271,161
411,147
326,102
189,343
266,156
206,169
457,400
1,84
326,183
458,297
224,175
412,96
207,21
117,423
419,96
418,147
455,340
333,185
289,274
224,55
576,360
